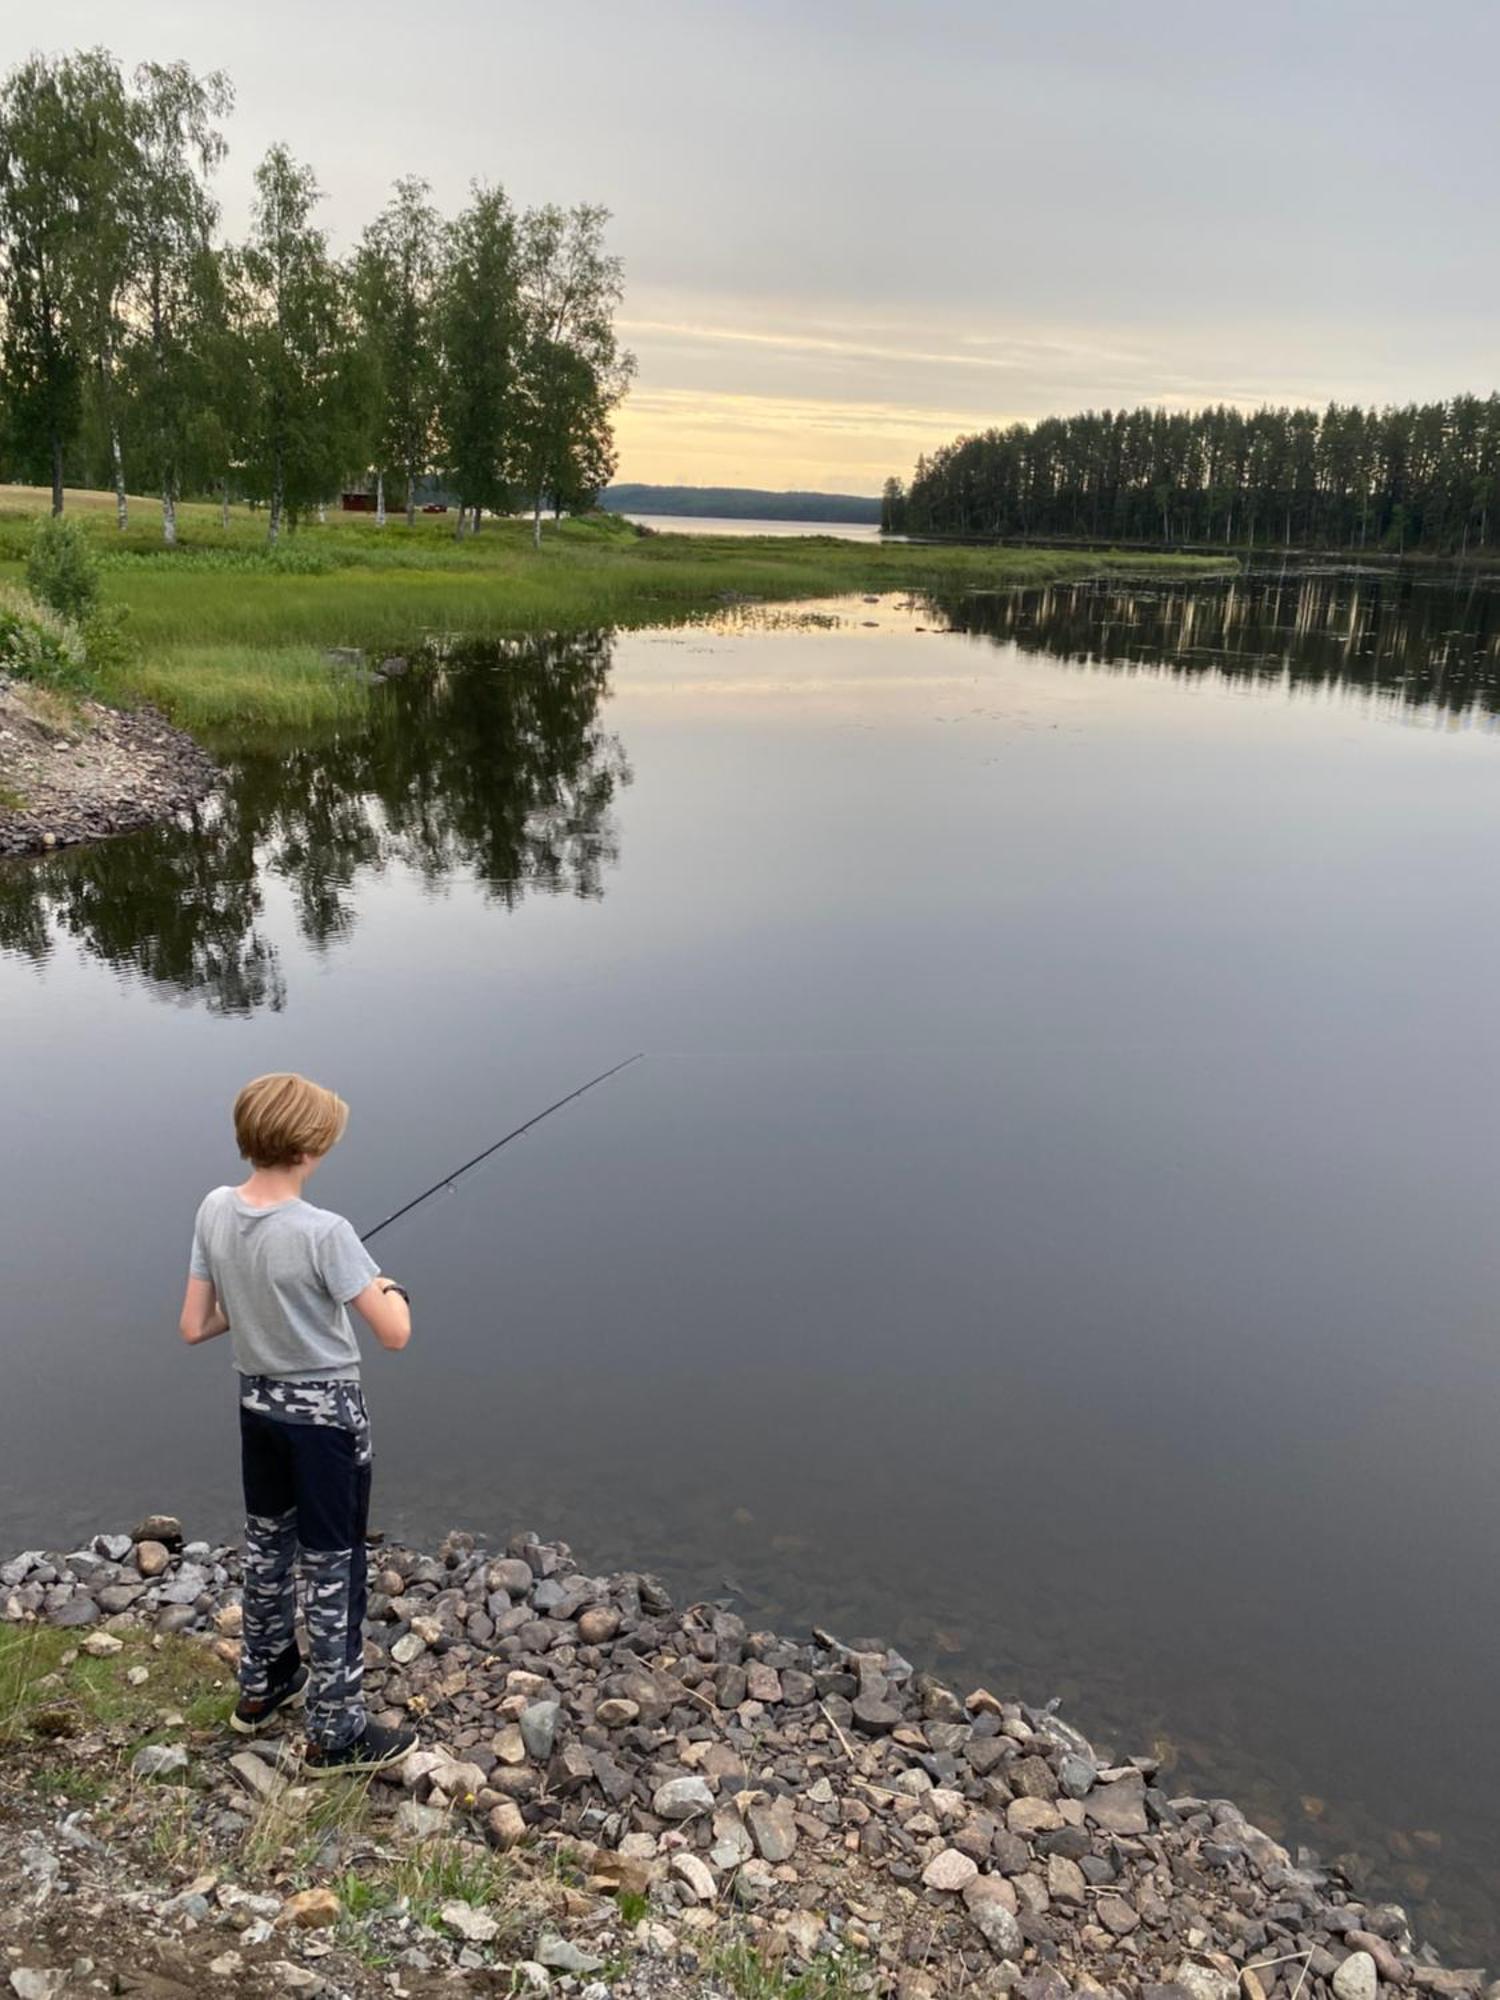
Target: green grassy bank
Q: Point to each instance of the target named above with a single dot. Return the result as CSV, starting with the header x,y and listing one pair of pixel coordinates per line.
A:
x,y
225,632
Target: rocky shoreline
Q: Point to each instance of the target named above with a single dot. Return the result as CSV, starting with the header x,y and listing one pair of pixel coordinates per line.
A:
x,y
686,1796
79,770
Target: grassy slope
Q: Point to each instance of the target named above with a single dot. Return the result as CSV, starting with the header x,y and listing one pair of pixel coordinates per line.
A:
x,y
227,634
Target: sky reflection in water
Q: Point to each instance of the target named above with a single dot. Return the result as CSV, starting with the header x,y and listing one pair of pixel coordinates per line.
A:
x,y
1052,1227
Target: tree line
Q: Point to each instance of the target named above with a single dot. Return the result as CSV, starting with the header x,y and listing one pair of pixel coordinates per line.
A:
x,y
139,352
1423,476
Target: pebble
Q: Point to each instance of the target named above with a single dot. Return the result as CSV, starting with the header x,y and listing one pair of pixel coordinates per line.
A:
x,y
539,1728
34,1982
310,1910
774,1830
950,1870
473,1926
682,1798
562,1955
814,1789
696,1875
1357,1978
159,1760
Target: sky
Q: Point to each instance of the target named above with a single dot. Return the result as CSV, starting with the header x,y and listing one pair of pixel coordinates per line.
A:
x,y
854,229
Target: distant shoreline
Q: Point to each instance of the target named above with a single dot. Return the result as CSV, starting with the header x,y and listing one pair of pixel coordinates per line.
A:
x,y
736,503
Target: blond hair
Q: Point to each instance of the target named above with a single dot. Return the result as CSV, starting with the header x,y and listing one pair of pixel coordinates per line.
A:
x,y
281,1117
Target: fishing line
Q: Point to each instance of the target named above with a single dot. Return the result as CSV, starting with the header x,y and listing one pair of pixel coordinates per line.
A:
x,y
448,1179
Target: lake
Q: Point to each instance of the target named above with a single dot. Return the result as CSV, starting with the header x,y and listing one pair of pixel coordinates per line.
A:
x,y
1051,1228
713,524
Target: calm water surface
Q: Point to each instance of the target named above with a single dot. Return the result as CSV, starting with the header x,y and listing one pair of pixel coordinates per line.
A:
x,y
715,524
1053,1227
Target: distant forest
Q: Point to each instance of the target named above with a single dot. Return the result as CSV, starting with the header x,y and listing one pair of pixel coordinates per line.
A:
x,y
740,503
1425,476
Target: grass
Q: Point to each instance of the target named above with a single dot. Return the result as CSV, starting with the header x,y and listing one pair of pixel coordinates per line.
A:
x,y
286,688
44,1693
750,1975
227,632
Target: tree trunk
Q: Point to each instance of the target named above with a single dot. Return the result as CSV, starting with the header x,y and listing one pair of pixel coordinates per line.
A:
x,y
224,505
380,499
122,505
278,492
458,526
322,515
168,514
536,521
57,474
475,518
411,497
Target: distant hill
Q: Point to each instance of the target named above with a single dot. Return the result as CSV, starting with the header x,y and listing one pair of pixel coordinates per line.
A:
x,y
740,503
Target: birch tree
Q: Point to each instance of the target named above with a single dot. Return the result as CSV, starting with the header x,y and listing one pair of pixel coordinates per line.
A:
x,y
480,320
106,181
396,277
296,346
177,290
44,215
572,369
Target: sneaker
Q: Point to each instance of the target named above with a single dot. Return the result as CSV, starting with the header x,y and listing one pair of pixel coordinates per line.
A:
x,y
375,1750
253,1712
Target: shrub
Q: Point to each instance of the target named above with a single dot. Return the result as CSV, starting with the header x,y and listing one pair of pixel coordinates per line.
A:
x,y
61,569
36,644
107,644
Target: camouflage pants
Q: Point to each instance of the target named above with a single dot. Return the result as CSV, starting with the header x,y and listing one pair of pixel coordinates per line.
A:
x,y
305,1455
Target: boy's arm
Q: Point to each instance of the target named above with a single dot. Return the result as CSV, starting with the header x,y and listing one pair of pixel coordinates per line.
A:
x,y
383,1308
202,1316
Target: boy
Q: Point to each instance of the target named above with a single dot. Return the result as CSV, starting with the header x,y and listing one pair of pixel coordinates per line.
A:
x,y
277,1274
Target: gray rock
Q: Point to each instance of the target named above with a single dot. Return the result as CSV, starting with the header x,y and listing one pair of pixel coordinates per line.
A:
x,y
1076,1776
875,1715
773,1830
159,1760
539,1729
189,1584
562,1955
36,1982
1119,1807
999,1928
77,1611
681,1798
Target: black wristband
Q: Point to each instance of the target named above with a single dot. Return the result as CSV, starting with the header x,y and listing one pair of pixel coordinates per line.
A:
x,y
392,1286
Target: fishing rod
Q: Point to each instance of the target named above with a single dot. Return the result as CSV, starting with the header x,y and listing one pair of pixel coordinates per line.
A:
x,y
458,1172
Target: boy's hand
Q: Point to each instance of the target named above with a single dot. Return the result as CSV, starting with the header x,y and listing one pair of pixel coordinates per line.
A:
x,y
385,1312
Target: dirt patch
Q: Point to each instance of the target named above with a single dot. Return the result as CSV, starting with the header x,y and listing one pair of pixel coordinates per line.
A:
x,y
75,770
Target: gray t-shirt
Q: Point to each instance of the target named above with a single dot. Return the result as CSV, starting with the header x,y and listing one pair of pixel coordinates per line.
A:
x,y
283,1276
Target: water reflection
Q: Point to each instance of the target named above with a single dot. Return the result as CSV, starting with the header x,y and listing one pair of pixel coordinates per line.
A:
x,y
1428,643
490,760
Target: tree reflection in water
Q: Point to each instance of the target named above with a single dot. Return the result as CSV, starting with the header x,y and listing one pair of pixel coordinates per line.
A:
x,y
488,760
1428,642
